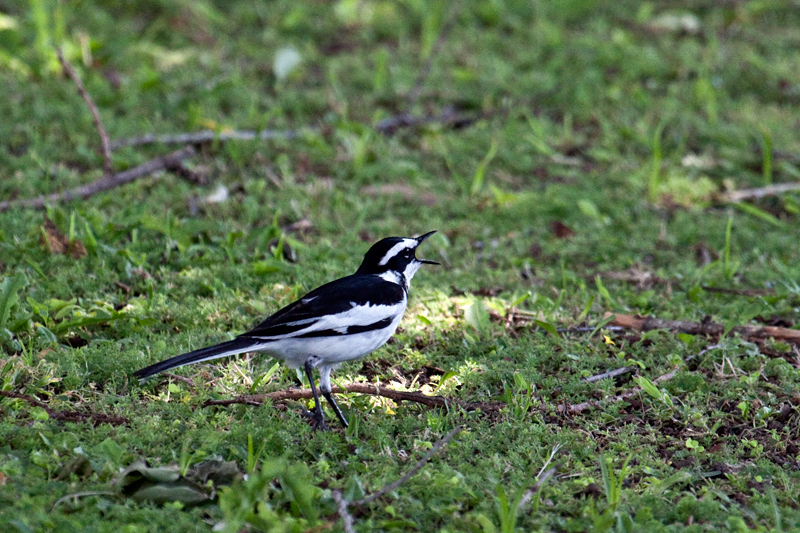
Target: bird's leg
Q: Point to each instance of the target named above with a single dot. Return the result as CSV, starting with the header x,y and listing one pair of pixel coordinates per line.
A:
x,y
320,419
325,388
336,410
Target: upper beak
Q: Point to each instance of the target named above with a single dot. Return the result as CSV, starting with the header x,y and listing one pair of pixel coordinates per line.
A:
x,y
420,240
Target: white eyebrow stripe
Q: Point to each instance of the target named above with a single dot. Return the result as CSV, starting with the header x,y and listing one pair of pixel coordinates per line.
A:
x,y
394,250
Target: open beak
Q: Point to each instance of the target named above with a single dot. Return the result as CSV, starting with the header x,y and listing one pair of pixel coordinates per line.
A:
x,y
420,240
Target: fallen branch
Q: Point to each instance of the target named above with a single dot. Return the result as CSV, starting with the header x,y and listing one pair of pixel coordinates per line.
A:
x,y
704,328
583,406
206,136
67,416
414,469
448,117
362,388
740,292
610,374
74,497
579,407
166,162
759,192
108,170
182,379
540,481
341,509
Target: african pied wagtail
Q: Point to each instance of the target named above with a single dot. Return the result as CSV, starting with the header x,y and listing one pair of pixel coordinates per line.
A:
x,y
340,321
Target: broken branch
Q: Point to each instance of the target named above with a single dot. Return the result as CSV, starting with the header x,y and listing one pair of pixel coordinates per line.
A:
x,y
759,192
414,469
341,509
67,416
583,406
166,162
98,123
362,388
704,328
206,136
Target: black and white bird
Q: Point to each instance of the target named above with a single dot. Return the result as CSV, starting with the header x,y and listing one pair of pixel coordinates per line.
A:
x,y
340,321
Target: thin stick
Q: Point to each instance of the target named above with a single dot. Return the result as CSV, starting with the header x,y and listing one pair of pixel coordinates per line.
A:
x,y
362,388
609,374
108,169
77,495
583,406
760,192
341,508
390,125
740,292
704,328
108,182
206,136
176,377
67,416
540,481
390,487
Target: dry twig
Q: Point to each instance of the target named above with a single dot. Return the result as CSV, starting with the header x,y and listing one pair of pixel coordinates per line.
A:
x,y
67,416
740,292
108,170
362,388
166,162
206,136
583,406
610,374
182,379
74,497
704,328
760,192
414,469
341,509
540,481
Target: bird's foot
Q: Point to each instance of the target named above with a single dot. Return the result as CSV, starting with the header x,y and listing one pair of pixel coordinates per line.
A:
x,y
316,419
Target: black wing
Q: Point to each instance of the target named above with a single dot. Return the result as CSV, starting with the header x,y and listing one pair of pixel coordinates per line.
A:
x,y
332,298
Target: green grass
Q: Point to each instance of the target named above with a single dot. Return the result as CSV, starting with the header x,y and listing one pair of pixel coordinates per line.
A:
x,y
593,115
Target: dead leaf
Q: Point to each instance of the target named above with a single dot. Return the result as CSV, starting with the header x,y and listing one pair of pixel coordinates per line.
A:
x,y
58,243
165,484
642,279
561,230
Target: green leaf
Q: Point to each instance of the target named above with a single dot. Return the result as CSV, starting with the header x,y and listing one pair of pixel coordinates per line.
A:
x,y
9,288
547,326
480,172
477,316
588,208
760,213
353,489
649,387
519,300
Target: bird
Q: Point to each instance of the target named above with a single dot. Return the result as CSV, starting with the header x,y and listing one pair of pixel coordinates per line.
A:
x,y
340,321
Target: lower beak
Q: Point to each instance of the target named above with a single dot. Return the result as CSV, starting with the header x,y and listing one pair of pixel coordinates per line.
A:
x,y
420,240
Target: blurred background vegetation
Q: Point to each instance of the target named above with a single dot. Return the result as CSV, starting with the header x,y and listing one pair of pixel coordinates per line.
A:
x,y
577,157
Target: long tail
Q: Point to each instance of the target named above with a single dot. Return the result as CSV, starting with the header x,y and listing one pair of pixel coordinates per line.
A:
x,y
225,349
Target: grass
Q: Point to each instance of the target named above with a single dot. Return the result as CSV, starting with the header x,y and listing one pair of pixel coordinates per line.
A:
x,y
604,132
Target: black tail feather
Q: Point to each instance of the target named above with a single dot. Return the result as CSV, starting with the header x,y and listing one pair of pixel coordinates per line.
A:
x,y
225,349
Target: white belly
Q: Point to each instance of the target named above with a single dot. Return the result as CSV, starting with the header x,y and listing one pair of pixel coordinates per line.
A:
x,y
330,350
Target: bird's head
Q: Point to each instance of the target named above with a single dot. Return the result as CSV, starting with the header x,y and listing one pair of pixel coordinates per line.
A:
x,y
395,255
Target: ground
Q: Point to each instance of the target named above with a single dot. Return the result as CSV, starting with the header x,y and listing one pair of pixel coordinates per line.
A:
x,y
578,159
